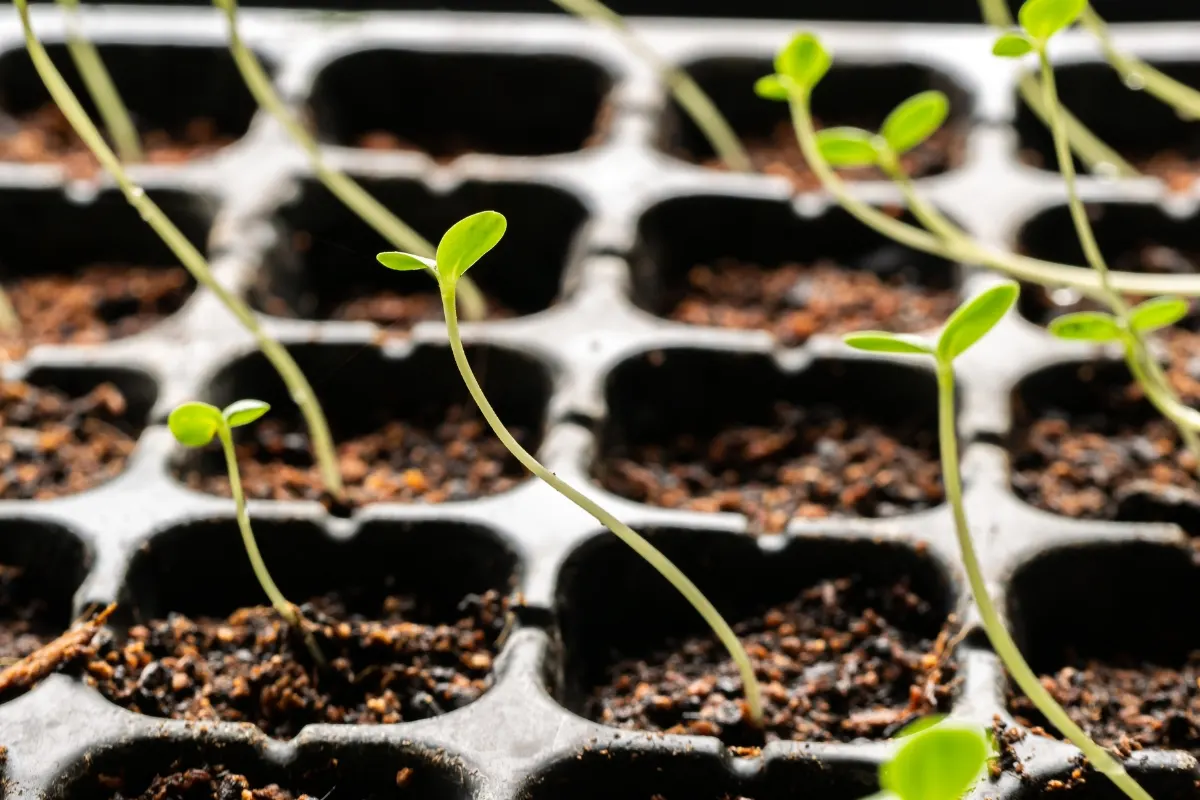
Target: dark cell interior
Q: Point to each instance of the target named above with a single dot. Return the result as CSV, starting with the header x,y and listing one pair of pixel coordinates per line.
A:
x,y
52,564
138,388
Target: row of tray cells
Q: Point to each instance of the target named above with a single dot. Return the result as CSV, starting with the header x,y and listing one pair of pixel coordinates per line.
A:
x,y
189,102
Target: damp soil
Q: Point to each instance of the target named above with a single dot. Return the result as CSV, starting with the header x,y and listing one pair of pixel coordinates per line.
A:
x,y
841,662
45,136
796,301
53,444
200,783
387,662
810,463
25,623
100,303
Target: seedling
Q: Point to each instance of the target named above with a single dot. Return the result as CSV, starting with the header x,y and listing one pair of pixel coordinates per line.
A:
x,y
461,247
970,323
196,424
936,759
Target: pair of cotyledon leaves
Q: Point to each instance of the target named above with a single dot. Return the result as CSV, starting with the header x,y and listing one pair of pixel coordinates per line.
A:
x,y
1040,20
195,424
466,242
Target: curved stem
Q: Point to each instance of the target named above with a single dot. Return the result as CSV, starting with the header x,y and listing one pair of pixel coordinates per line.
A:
x,y
191,258
1002,642
628,535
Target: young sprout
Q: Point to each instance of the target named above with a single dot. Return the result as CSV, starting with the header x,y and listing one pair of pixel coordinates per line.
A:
x,y
936,759
195,424
970,323
461,247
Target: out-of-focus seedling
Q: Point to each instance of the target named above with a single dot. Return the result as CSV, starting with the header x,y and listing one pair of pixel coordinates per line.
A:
x,y
935,759
196,424
460,248
970,323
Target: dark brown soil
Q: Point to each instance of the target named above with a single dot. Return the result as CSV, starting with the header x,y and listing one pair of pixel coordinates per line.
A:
x,y
24,626
456,459
838,663
45,136
53,444
795,301
100,303
811,463
384,666
207,783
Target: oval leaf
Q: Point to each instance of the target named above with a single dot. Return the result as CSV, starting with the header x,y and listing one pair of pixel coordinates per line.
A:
x,y
915,120
881,342
1012,45
405,262
972,321
770,87
804,60
469,240
939,763
243,412
1041,19
847,147
1086,326
194,424
1159,312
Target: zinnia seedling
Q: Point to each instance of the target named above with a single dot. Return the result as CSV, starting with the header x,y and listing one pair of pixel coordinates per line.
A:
x,y
936,759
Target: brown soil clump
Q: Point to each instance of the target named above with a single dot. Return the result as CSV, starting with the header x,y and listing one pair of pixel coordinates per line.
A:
x,y
839,663
206,783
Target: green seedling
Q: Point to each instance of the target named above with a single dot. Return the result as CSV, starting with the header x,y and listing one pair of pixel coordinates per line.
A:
x,y
196,425
970,323
189,256
461,247
935,759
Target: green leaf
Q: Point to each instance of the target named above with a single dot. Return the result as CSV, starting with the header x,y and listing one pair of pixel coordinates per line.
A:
x,y
771,87
915,120
1041,19
939,763
972,321
847,147
243,412
804,60
1158,312
1012,45
195,424
405,262
918,725
881,342
1086,326
467,241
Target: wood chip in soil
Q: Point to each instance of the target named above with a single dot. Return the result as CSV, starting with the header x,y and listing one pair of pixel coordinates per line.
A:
x,y
810,464
54,444
837,664
201,783
384,666
795,301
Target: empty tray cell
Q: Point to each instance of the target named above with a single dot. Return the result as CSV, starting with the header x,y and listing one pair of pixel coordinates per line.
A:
x,y
186,101
513,105
773,446
860,95
87,273
1130,678
406,616
69,430
406,429
756,264
849,638
1142,129
325,266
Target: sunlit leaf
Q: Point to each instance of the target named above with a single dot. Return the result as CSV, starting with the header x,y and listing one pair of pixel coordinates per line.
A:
x,y
1086,326
467,241
194,424
804,60
915,120
1012,45
881,342
972,321
1156,313
243,412
847,147
1041,19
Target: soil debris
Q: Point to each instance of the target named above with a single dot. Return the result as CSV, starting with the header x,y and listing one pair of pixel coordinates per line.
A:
x,y
52,656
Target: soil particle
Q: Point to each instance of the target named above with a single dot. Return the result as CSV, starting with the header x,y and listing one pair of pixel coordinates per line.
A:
x,y
98,304
53,444
839,663
207,783
795,301
384,668
810,464
1006,737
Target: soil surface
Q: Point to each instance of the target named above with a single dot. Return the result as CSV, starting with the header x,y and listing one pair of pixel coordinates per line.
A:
x,y
839,663
54,445
99,303
45,136
811,463
795,301
385,666
24,626
204,783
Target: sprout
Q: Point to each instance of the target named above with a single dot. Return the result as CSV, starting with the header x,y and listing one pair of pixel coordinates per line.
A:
x,y
935,760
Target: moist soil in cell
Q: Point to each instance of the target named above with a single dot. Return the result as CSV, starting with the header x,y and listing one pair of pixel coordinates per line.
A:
x,y
384,665
200,783
54,444
100,303
796,301
24,617
838,663
812,463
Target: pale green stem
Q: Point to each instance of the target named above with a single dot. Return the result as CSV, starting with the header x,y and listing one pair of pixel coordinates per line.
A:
x,y
191,258
339,184
698,105
628,535
10,321
1002,642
